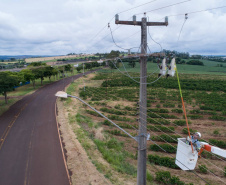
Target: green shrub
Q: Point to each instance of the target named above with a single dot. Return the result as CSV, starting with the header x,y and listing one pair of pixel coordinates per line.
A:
x,y
163,177
113,111
181,122
119,118
185,130
93,113
168,138
192,116
219,143
177,110
158,128
166,147
159,110
117,133
163,161
225,171
203,169
130,108
117,106
158,121
170,105
217,118
216,132
195,111
149,177
106,122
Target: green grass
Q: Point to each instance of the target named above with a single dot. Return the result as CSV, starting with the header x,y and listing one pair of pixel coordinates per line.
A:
x,y
4,107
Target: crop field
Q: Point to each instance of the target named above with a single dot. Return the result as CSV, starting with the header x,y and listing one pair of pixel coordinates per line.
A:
x,y
116,96
210,67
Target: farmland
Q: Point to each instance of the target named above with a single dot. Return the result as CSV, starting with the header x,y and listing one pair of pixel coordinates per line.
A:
x,y
116,96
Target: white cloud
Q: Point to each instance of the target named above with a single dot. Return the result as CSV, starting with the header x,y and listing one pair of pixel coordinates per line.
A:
x,y
63,26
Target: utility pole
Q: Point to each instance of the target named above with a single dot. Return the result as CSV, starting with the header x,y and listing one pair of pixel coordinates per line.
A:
x,y
142,137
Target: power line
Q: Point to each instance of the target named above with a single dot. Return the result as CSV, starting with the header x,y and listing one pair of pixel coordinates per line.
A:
x,y
120,13
137,6
114,39
134,79
198,11
164,7
182,26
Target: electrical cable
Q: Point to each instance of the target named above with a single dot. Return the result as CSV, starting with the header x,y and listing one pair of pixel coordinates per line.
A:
x,y
137,6
181,28
198,11
165,7
132,78
114,40
135,77
121,13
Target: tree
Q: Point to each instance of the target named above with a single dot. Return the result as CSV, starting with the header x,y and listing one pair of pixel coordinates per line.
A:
x,y
39,73
79,68
195,62
88,66
8,80
132,64
35,64
48,71
28,76
113,64
113,54
68,67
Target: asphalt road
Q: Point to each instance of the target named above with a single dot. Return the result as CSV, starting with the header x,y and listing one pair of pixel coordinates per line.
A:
x,y
30,150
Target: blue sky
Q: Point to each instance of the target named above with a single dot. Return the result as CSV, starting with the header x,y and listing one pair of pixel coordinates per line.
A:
x,y
58,27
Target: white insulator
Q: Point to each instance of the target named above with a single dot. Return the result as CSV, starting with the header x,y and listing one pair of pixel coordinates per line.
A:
x,y
116,17
134,18
172,68
163,67
166,19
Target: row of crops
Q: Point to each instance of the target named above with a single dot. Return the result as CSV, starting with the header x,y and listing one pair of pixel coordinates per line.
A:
x,y
165,119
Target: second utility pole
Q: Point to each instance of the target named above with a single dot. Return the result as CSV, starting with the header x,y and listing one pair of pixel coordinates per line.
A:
x,y
142,137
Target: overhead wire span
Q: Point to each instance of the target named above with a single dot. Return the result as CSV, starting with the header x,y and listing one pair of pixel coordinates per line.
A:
x,y
137,6
121,13
198,11
182,26
114,39
164,7
134,79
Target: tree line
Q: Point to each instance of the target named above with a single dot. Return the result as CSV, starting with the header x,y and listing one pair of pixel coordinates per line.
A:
x,y
37,70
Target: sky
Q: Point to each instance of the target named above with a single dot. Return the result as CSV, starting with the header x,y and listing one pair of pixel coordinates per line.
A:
x,y
59,27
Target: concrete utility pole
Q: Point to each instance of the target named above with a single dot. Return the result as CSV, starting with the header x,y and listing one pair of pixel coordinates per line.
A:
x,y
142,137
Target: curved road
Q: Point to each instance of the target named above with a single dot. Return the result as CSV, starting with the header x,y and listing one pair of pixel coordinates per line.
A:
x,y
30,149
